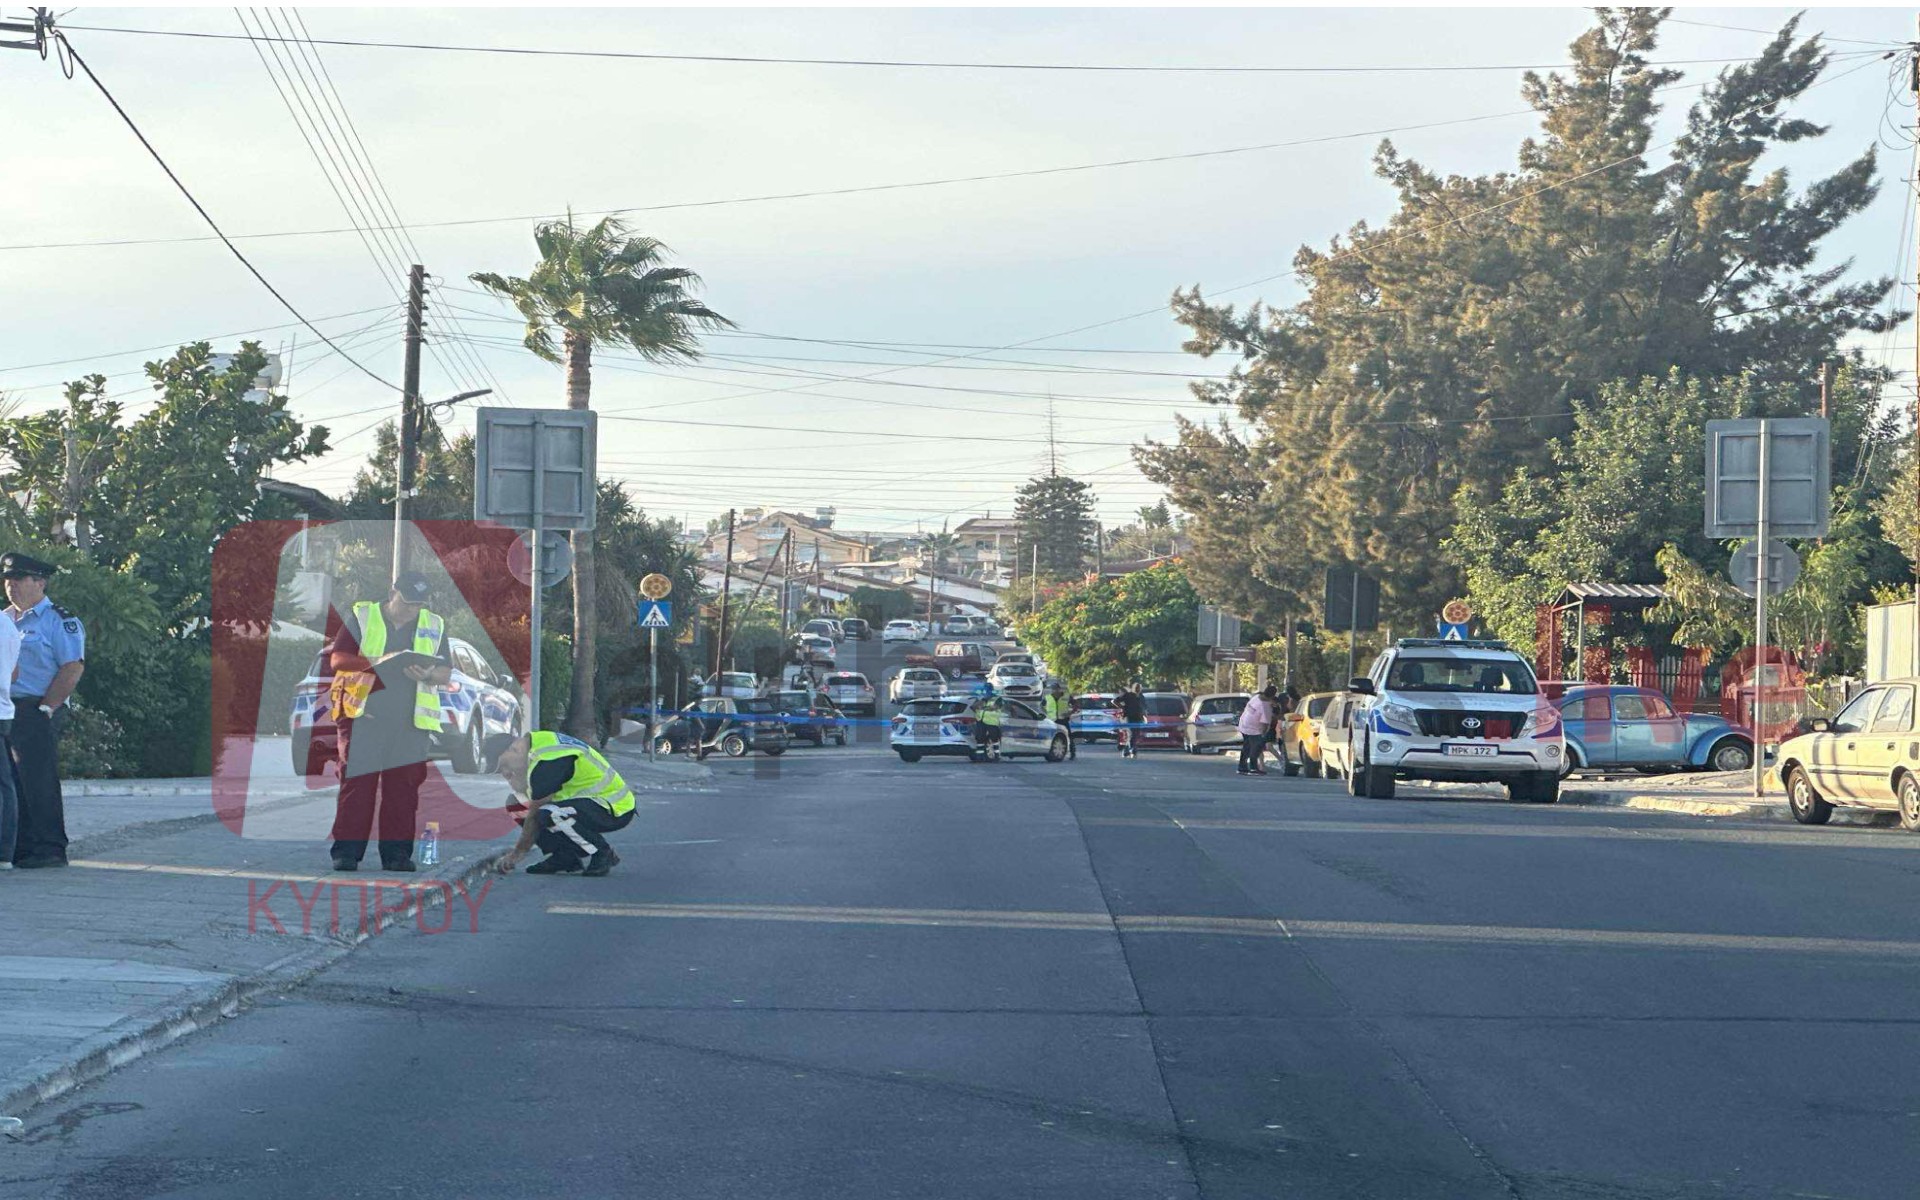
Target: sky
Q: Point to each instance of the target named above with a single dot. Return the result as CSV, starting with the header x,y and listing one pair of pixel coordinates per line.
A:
x,y
981,307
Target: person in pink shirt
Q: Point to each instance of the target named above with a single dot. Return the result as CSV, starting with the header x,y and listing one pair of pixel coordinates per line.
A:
x,y
1256,722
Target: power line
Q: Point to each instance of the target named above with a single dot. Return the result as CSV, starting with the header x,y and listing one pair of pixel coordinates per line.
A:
x,y
204,214
925,64
61,362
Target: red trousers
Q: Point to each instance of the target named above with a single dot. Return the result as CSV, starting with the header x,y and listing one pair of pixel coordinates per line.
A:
x,y
394,792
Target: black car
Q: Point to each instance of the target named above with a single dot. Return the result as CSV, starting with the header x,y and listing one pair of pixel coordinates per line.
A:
x,y
733,727
855,629
810,718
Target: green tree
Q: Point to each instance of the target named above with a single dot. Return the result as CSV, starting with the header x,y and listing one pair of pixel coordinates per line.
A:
x,y
1138,626
1056,517
1436,352
602,285
877,606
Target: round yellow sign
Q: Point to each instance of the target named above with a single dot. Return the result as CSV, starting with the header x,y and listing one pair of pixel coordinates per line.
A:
x,y
656,587
1457,612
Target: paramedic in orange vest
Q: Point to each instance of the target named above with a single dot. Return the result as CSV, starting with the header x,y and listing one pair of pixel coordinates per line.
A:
x,y
384,729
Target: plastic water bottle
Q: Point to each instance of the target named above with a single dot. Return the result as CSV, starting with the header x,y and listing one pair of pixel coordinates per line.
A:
x,y
430,845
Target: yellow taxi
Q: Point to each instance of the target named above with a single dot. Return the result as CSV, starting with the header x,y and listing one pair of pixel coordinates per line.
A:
x,y
1300,735
1866,756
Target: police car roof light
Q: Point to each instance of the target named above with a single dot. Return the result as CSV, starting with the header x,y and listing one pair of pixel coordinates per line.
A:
x,y
1443,643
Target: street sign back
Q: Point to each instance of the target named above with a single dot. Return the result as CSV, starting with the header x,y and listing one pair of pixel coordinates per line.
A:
x,y
1798,471
1229,654
1783,567
1352,601
556,556
530,461
1218,627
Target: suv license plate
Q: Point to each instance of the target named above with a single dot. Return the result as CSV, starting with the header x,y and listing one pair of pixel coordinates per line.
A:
x,y
1473,751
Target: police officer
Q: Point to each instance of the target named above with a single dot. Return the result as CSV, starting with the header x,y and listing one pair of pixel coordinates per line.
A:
x,y
53,651
1060,712
384,723
580,799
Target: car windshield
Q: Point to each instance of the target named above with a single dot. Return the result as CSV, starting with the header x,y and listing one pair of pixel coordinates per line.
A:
x,y
1167,705
1436,674
792,701
846,680
1214,706
1096,700
1005,669
933,708
758,704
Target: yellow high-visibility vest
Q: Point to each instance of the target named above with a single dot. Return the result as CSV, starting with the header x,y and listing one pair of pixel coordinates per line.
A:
x,y
351,688
593,776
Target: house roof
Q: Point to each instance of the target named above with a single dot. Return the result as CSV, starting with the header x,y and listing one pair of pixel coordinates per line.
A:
x,y
1623,595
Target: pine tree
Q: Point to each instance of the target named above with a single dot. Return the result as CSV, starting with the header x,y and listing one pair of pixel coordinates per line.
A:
x,y
1056,517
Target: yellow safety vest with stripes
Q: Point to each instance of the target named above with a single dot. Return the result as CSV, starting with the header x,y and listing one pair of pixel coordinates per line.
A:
x,y
593,776
351,688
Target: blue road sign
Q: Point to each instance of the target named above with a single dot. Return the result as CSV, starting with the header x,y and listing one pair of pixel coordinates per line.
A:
x,y
655,614
1453,633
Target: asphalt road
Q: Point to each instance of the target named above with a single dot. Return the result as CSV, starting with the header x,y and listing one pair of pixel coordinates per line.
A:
x,y
837,975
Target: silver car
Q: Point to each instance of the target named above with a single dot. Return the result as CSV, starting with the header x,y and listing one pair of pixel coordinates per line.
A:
x,y
850,692
1018,680
1213,721
917,683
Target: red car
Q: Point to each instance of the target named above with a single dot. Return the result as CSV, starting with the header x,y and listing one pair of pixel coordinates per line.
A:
x,y
1166,719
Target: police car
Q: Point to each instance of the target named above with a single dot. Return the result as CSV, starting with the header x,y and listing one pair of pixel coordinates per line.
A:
x,y
1469,711
478,703
945,727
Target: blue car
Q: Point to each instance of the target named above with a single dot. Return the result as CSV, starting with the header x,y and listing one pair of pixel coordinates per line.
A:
x,y
1612,726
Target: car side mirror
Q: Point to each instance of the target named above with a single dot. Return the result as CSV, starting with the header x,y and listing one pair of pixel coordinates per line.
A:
x,y
1819,725
1360,685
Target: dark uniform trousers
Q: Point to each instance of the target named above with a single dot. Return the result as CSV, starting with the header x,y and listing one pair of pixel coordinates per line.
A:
x,y
36,751
574,830
395,791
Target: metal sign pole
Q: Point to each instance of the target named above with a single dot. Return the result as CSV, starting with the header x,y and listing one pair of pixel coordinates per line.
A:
x,y
537,574
653,687
1353,627
1760,614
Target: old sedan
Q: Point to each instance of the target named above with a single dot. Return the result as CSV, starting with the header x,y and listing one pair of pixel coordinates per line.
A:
x,y
1612,726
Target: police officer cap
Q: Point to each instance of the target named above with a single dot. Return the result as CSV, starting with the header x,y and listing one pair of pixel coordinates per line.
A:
x,y
16,566
413,587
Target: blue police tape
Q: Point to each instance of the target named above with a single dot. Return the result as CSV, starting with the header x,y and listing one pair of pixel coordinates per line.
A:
x,y
640,714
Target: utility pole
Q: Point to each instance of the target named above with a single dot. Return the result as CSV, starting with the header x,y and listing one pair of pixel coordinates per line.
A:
x,y
76,488
1914,83
726,587
410,415
819,602
1033,578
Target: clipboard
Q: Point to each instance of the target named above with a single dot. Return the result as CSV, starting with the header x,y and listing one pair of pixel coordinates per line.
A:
x,y
391,668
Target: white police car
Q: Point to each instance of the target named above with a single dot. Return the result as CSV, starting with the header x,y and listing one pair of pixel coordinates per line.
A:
x,y
945,727
1469,711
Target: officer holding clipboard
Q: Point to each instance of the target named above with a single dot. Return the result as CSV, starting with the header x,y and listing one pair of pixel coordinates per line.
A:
x,y
389,665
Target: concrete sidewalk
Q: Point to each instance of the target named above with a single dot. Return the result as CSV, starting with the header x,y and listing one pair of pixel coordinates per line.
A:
x,y
168,920
1695,793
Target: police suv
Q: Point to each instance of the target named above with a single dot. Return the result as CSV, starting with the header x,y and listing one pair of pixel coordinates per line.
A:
x,y
1468,711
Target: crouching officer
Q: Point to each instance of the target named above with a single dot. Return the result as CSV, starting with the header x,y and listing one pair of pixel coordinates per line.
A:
x,y
53,651
576,796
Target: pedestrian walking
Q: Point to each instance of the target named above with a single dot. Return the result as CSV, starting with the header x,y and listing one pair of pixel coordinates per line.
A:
x,y
1256,720
574,799
1060,712
1133,716
385,717
52,653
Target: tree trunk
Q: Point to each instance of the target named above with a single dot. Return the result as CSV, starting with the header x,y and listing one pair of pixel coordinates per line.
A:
x,y
582,717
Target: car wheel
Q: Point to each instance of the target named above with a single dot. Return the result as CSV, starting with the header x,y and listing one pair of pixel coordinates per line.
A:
x,y
1545,789
663,747
1803,802
1355,785
956,674
1289,768
1057,749
910,756
1731,754
469,751
840,739
1570,763
776,751
301,745
1311,768
1379,783
1910,802
734,745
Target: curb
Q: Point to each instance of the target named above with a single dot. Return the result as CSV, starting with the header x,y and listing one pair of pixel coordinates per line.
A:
x,y
198,785
1763,810
162,1025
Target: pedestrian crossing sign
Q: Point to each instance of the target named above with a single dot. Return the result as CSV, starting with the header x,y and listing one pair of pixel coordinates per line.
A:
x,y
656,614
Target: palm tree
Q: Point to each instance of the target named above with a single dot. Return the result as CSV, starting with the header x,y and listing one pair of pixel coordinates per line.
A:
x,y
941,545
602,284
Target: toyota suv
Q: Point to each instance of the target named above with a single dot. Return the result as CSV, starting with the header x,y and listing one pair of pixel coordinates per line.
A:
x,y
1468,711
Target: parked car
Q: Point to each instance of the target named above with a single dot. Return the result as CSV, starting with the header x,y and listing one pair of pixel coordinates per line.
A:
x,y
1213,721
810,718
916,683
1018,680
1860,758
477,703
734,727
901,631
964,626
1610,726
1096,717
856,630
1455,710
825,627
1300,741
1021,656
1166,715
736,685
850,692
815,649
945,727
960,659
1336,735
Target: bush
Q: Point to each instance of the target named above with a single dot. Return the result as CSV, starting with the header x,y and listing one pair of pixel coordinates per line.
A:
x,y
93,746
